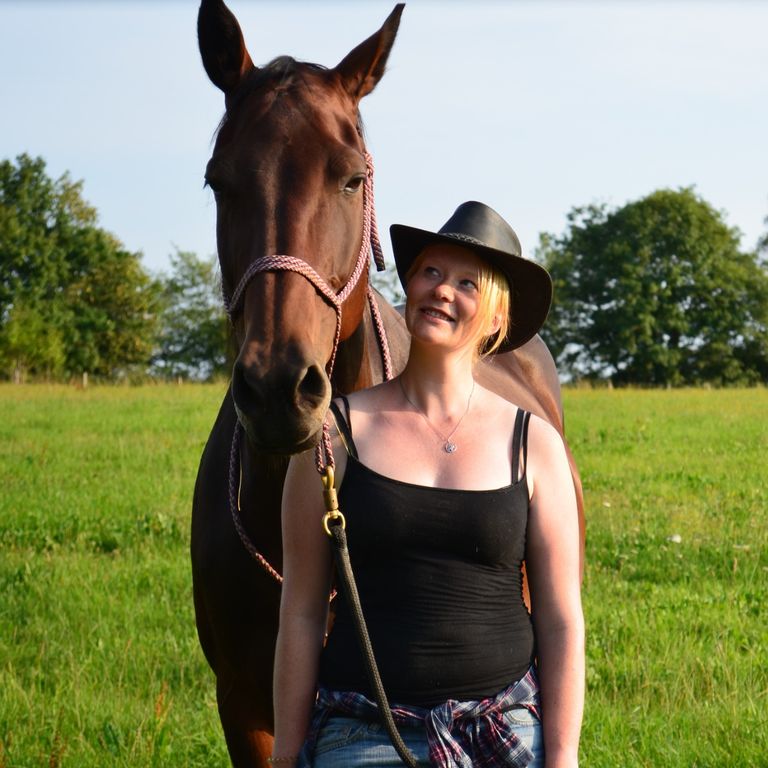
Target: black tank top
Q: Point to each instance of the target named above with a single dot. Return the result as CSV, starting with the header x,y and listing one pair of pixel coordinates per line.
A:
x,y
439,576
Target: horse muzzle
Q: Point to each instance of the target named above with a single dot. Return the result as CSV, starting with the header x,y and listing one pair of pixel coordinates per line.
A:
x,y
281,408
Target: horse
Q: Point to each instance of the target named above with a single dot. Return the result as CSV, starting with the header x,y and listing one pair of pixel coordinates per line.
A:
x,y
293,188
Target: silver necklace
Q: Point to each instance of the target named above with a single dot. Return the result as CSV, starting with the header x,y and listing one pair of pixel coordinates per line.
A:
x,y
448,445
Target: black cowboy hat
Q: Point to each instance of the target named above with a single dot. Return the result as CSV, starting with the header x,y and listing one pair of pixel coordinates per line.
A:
x,y
480,229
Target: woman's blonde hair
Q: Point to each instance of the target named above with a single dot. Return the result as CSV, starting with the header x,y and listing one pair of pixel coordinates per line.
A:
x,y
495,302
495,295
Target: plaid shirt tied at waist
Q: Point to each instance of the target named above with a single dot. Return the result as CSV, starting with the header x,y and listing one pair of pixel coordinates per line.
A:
x,y
460,734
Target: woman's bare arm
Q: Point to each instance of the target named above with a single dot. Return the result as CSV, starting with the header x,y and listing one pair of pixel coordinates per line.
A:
x,y
303,605
552,563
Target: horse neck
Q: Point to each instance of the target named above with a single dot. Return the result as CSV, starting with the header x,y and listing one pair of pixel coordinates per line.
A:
x,y
358,362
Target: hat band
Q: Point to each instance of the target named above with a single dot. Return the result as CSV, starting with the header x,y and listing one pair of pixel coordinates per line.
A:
x,y
463,237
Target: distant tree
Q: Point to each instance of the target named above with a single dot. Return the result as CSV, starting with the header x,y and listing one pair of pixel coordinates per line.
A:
x,y
194,329
38,217
762,243
30,343
387,283
113,308
657,292
72,299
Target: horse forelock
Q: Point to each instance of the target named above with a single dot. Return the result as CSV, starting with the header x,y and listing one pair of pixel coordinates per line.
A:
x,y
309,91
281,75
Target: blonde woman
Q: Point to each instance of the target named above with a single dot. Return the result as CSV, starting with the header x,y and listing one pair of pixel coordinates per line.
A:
x,y
446,488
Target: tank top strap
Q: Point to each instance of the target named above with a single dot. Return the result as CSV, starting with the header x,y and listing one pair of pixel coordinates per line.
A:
x,y
343,425
520,444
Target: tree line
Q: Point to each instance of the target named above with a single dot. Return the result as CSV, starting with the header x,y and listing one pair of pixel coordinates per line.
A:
x,y
655,292
74,301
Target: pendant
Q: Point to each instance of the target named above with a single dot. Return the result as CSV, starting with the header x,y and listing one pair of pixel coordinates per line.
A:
x,y
449,447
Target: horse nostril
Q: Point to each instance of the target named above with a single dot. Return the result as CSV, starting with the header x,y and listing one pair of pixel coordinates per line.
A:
x,y
313,383
244,389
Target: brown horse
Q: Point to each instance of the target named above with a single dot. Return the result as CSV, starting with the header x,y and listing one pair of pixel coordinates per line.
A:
x,y
290,175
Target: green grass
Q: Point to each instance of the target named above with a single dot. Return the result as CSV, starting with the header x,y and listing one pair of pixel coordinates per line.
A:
x,y
99,660
676,583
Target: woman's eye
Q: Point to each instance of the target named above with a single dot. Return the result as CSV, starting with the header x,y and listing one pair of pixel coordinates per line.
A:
x,y
471,284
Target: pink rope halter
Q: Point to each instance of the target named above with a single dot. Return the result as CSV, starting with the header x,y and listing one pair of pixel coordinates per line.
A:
x,y
277,263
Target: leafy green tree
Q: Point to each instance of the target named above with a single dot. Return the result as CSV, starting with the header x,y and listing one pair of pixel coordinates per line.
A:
x,y
29,342
112,308
762,243
194,329
657,292
387,283
72,299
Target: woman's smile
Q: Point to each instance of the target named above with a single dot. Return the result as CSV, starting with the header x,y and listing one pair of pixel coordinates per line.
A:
x,y
438,314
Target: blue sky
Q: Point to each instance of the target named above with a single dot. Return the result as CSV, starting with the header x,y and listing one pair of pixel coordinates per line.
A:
x,y
531,107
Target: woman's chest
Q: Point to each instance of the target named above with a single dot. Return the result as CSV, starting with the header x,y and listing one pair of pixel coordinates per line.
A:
x,y
474,457
388,519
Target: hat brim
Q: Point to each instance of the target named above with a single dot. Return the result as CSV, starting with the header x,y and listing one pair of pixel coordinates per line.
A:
x,y
530,284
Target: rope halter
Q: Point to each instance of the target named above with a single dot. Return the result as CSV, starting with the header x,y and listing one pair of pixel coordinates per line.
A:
x,y
280,263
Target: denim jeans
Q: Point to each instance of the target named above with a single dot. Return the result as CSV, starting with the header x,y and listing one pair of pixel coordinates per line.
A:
x,y
346,742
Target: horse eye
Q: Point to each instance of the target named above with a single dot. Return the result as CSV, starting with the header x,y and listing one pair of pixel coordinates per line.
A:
x,y
355,183
216,180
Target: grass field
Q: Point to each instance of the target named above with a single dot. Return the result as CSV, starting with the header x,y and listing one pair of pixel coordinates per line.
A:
x,y
99,661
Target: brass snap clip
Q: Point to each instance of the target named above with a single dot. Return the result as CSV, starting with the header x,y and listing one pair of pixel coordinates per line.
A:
x,y
332,514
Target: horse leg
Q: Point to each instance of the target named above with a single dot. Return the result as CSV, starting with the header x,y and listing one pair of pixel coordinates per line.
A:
x,y
236,603
248,736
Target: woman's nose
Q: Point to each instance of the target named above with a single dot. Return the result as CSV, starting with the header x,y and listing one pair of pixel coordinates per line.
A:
x,y
443,291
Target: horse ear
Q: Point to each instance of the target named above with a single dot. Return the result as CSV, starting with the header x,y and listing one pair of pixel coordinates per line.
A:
x,y
362,68
222,47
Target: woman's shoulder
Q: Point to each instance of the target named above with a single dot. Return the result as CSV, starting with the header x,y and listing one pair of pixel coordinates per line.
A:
x,y
499,408
544,430
358,410
504,413
368,399
545,444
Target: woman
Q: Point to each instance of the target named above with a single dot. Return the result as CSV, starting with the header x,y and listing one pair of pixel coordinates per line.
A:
x,y
446,487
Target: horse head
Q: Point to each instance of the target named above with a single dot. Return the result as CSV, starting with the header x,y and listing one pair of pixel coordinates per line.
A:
x,y
288,172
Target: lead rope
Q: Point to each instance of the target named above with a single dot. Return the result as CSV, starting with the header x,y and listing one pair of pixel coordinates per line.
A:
x,y
335,524
370,244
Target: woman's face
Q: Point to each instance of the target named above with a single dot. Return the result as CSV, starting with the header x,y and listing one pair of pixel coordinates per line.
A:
x,y
442,297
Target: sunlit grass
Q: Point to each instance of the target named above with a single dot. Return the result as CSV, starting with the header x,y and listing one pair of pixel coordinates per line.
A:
x,y
99,660
677,575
